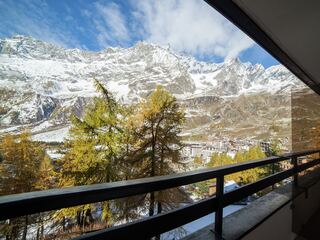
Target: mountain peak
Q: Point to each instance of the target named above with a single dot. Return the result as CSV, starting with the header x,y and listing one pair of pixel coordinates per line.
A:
x,y
234,60
144,44
21,37
28,47
63,77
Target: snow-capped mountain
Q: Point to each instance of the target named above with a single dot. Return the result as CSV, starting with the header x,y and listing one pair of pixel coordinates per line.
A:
x,y
41,82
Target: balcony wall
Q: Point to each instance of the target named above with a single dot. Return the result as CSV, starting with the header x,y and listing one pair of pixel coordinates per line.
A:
x,y
289,221
279,215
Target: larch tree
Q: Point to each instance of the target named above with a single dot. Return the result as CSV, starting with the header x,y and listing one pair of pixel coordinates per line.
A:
x,y
157,151
244,177
252,175
218,160
274,150
198,161
19,172
239,157
94,151
21,159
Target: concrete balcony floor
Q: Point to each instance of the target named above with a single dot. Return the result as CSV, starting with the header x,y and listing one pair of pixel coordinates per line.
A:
x,y
280,214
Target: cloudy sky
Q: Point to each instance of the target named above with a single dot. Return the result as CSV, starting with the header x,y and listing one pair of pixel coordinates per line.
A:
x,y
188,26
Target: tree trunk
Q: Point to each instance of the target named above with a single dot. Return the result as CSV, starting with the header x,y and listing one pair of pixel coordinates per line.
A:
x,y
153,172
159,210
64,223
38,233
151,207
160,193
79,218
89,218
25,228
9,233
42,231
39,226
126,211
14,229
82,220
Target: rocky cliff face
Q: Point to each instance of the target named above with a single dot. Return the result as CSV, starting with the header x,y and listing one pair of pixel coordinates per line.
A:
x,y
42,84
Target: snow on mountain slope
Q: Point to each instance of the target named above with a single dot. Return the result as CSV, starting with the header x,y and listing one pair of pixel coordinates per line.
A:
x,y
42,82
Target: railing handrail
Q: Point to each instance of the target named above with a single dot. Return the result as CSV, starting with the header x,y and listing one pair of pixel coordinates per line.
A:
x,y
145,229
73,196
35,202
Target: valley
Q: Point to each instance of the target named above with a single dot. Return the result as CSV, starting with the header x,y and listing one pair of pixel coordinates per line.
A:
x,y
42,85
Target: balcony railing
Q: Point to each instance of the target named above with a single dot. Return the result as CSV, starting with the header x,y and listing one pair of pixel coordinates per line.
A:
x,y
34,202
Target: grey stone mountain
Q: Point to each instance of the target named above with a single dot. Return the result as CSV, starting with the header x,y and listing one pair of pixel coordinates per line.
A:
x,y
41,85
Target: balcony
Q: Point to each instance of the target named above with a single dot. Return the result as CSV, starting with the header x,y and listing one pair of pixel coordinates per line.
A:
x,y
280,205
286,202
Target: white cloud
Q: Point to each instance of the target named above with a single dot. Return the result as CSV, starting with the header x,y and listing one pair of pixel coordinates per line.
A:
x,y
111,24
190,26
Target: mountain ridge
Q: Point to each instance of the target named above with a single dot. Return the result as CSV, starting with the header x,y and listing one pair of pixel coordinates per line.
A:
x,y
42,82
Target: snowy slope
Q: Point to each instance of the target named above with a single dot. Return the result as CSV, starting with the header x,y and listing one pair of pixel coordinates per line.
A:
x,y
42,82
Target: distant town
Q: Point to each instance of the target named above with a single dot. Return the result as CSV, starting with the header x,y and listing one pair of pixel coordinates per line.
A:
x,y
205,150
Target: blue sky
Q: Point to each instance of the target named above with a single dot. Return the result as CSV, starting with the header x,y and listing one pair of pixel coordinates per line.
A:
x,y
187,26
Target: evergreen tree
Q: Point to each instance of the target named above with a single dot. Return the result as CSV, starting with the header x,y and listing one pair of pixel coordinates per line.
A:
x,y
222,159
20,166
94,151
198,161
252,175
275,148
243,177
214,161
19,172
46,175
239,157
157,152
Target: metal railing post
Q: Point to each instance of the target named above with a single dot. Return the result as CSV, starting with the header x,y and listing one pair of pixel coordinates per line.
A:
x,y
295,169
219,212
273,171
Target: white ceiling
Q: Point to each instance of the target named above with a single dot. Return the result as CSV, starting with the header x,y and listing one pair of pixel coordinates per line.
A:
x,y
294,25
